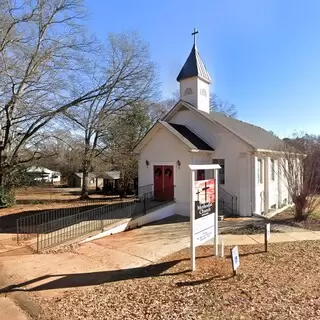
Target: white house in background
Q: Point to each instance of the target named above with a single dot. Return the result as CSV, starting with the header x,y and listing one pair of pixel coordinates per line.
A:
x,y
250,179
43,174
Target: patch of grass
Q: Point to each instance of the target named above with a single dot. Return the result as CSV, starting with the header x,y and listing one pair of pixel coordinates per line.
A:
x,y
37,202
249,229
315,215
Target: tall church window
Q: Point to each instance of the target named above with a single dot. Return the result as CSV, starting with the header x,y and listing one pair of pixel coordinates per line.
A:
x,y
188,91
260,171
221,171
272,170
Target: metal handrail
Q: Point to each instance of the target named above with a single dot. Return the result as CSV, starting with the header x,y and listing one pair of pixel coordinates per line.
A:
x,y
228,200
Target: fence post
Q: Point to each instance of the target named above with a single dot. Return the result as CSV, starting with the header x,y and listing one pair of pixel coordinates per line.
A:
x,y
144,205
37,230
101,220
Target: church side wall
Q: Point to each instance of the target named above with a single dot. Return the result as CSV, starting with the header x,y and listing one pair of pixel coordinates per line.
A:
x,y
165,149
229,147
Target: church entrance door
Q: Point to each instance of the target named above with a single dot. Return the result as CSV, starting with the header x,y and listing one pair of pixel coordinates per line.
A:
x,y
163,182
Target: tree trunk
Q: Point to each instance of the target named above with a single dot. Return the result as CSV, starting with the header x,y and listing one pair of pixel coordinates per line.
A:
x,y
85,180
300,203
86,163
1,173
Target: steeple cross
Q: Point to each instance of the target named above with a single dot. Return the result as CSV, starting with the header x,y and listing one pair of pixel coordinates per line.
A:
x,y
194,34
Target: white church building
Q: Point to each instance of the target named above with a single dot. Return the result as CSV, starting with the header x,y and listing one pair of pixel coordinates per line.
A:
x,y
250,181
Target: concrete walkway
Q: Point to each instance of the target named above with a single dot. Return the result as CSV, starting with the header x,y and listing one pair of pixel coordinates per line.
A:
x,y
10,311
232,239
154,241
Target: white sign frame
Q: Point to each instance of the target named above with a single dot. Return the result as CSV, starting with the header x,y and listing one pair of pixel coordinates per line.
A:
x,y
193,244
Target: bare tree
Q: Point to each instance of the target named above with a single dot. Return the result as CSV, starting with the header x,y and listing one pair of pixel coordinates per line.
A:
x,y
300,173
131,78
216,104
42,47
224,106
46,64
60,152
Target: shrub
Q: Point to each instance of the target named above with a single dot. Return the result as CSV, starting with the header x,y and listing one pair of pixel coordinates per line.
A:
x,y
7,197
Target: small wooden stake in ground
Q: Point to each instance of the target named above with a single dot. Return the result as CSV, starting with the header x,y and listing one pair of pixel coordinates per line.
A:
x,y
266,236
234,252
222,249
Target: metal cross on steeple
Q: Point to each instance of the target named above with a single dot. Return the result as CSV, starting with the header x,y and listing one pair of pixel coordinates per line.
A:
x,y
194,34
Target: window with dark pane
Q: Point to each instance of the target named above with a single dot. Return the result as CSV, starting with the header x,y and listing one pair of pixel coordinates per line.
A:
x,y
221,171
200,175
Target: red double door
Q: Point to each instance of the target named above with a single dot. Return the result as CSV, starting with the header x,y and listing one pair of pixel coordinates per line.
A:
x,y
163,182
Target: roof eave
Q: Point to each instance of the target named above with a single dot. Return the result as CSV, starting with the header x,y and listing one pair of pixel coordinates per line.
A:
x,y
279,152
204,151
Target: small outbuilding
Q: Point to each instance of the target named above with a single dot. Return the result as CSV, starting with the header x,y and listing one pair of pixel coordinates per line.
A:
x,y
76,180
45,175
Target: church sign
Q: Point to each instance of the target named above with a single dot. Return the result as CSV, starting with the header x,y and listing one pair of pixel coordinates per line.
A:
x,y
203,209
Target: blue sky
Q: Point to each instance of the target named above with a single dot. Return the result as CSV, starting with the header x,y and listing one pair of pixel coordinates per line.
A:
x,y
263,55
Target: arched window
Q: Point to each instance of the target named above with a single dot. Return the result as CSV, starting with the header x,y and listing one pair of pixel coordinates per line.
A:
x,y
203,92
187,91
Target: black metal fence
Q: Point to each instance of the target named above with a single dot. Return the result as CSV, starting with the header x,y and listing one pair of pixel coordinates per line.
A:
x,y
65,229
26,227
60,227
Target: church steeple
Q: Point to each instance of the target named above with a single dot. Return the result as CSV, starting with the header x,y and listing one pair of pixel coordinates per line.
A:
x,y
195,80
194,67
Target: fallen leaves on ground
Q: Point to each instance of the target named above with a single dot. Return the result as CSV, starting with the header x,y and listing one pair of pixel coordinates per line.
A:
x,y
280,284
312,222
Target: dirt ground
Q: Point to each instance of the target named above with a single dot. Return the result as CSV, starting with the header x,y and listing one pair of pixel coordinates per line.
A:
x,y
280,284
31,201
46,198
132,275
269,286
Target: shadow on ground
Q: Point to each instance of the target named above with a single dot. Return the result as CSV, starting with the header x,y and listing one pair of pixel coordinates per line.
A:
x,y
68,281
65,281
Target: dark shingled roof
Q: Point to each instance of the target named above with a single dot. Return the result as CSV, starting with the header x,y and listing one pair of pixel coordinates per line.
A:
x,y
189,137
194,67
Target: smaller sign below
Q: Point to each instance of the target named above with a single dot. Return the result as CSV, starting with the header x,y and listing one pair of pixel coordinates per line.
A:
x,y
235,258
268,231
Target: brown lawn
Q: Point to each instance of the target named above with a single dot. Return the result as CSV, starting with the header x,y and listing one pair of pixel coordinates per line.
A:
x,y
280,284
46,198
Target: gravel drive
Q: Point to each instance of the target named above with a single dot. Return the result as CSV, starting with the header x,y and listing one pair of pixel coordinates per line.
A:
x,y
280,284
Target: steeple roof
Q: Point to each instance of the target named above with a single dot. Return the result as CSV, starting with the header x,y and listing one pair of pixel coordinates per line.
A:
x,y
194,67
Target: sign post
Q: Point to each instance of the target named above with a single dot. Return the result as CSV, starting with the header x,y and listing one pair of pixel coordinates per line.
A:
x,y
192,217
267,235
203,210
216,239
